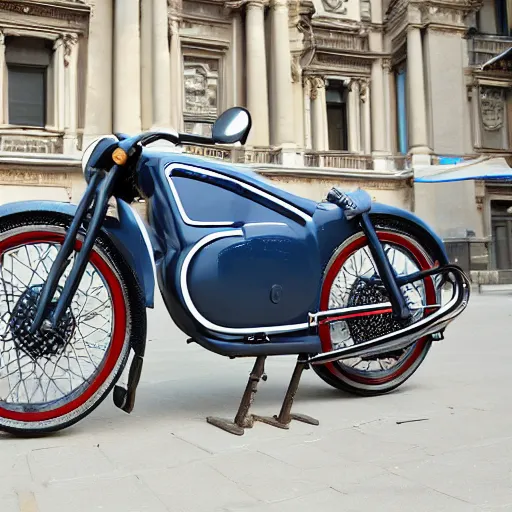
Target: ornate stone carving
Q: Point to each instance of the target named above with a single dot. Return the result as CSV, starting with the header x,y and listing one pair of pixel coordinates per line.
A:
x,y
342,62
315,83
492,107
68,41
201,84
59,12
341,41
336,6
364,89
296,70
386,64
365,9
28,144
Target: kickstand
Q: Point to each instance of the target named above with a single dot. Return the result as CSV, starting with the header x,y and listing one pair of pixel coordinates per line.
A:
x,y
243,419
285,416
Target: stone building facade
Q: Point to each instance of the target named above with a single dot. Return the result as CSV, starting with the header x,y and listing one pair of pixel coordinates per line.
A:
x,y
342,92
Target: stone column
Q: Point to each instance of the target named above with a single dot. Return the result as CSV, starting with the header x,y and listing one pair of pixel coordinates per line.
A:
x,y
98,111
318,114
161,67
2,78
417,103
475,116
60,85
380,128
354,118
366,115
177,69
146,63
281,80
70,46
127,95
256,73
308,143
378,109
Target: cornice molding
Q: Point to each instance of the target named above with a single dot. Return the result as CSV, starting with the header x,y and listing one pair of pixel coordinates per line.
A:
x,y
75,11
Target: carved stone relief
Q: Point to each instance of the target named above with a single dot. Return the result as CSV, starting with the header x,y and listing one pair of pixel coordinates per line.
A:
x,y
27,144
336,6
201,87
59,12
365,8
492,107
343,63
315,83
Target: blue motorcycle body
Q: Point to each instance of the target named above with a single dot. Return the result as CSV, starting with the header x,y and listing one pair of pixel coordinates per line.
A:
x,y
234,256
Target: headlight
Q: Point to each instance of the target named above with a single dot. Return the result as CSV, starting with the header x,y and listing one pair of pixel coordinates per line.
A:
x,y
86,156
88,152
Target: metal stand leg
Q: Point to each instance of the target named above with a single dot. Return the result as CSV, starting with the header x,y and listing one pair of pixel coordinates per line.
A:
x,y
285,416
243,419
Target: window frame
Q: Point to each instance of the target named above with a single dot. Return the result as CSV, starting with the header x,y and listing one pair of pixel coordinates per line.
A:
x,y
46,106
342,105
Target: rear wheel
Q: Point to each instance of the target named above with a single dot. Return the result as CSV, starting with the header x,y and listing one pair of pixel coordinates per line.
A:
x,y
346,284
51,381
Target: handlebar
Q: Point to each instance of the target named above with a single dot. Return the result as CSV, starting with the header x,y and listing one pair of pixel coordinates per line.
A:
x,y
128,144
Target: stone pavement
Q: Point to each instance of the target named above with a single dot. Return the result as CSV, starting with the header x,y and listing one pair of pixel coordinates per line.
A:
x,y
165,457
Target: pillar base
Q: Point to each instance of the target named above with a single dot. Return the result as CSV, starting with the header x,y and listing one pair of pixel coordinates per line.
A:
x,y
70,145
383,161
422,157
290,157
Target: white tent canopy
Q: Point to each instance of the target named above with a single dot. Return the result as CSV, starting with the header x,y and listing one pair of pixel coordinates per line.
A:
x,y
479,169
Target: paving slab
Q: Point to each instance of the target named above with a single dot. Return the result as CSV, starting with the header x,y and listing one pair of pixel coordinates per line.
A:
x,y
442,442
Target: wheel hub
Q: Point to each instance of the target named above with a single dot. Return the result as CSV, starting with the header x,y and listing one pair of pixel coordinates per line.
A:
x,y
42,343
366,328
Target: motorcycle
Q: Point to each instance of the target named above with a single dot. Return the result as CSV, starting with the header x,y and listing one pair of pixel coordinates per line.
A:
x,y
353,288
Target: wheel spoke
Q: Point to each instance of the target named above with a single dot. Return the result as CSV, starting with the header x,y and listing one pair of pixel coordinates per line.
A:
x,y
42,370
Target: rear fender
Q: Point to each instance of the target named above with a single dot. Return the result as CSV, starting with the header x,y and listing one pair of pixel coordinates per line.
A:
x,y
128,233
424,229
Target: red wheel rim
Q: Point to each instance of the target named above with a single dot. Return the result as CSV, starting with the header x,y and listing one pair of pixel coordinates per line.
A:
x,y
324,330
118,333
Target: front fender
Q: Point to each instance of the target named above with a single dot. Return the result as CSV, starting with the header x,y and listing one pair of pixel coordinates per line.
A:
x,y
127,233
392,211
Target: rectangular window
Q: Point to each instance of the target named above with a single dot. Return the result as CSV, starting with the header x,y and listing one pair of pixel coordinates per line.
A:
x,y
337,120
401,106
28,60
503,16
27,96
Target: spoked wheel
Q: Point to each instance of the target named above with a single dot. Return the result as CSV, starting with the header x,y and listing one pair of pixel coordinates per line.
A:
x,y
49,381
347,282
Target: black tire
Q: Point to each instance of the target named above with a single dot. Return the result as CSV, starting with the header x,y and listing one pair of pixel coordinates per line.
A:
x,y
127,329
336,374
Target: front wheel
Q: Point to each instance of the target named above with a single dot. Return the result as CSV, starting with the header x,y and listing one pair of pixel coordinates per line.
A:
x,y
49,381
346,284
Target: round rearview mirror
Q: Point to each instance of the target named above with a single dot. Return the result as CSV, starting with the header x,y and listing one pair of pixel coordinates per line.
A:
x,y
232,126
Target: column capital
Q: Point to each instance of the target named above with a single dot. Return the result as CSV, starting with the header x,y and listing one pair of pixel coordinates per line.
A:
x,y
363,88
278,4
386,64
2,38
174,25
315,83
296,68
67,41
256,3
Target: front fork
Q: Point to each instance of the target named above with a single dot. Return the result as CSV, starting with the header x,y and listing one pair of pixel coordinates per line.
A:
x,y
99,190
401,310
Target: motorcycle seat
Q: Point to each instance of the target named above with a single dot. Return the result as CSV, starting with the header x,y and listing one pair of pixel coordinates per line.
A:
x,y
353,204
